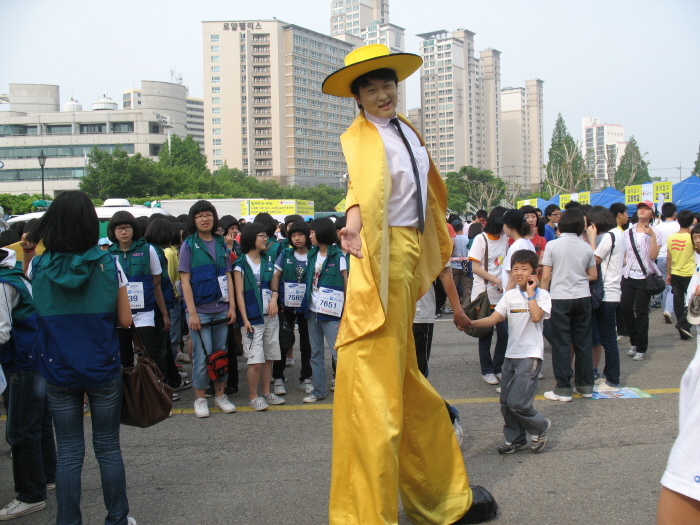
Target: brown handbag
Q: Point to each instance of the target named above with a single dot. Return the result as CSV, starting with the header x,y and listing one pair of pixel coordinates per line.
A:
x,y
146,399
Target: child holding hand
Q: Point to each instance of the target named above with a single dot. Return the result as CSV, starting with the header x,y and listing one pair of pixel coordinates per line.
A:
x,y
525,306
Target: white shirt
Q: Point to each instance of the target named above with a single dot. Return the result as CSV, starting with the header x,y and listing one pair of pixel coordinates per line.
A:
x,y
497,252
254,267
524,337
611,265
520,244
663,231
402,199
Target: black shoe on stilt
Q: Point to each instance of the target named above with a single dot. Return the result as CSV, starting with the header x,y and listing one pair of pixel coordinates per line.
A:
x,y
484,507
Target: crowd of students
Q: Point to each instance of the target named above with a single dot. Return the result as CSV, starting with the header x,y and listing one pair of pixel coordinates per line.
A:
x,y
195,284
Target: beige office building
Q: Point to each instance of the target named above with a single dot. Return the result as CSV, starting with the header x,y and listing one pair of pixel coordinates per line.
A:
x,y
603,146
264,111
36,122
460,100
522,138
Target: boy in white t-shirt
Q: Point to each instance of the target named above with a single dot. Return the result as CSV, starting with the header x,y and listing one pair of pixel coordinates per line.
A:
x,y
526,306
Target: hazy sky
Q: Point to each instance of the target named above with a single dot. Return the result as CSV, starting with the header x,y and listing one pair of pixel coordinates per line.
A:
x,y
634,63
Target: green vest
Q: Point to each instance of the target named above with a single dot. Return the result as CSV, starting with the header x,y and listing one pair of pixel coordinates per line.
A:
x,y
330,276
252,295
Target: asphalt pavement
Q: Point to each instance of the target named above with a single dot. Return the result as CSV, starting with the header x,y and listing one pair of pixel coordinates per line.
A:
x,y
602,464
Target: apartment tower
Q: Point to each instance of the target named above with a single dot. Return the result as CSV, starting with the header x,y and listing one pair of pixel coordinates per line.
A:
x,y
603,146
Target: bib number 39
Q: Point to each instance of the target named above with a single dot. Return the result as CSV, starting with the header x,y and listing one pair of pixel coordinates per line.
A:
x,y
136,296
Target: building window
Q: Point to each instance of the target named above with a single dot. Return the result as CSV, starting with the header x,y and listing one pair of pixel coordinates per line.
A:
x,y
216,131
216,89
153,149
217,163
216,69
122,127
214,38
217,152
215,58
214,49
92,128
216,100
216,80
64,129
216,111
217,142
216,120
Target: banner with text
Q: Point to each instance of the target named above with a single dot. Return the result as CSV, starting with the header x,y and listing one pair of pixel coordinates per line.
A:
x,y
582,198
277,207
649,192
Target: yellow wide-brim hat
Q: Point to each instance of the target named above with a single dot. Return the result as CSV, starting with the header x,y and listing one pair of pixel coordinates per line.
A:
x,y
365,59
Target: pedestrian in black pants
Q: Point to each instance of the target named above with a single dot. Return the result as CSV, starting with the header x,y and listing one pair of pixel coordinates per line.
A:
x,y
278,366
635,298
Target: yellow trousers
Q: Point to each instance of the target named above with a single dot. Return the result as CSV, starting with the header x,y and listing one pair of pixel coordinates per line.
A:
x,y
391,429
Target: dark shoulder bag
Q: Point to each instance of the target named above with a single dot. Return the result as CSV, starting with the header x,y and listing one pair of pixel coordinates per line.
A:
x,y
655,284
146,399
481,306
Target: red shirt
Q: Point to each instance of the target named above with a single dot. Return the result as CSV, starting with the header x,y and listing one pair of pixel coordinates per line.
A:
x,y
538,242
451,231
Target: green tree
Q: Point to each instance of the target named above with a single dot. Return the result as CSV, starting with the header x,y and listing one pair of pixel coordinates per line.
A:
x,y
566,167
696,168
120,175
473,186
183,153
633,169
18,204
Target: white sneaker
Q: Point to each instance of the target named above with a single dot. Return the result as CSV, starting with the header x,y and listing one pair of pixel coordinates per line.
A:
x,y
289,362
311,399
17,508
638,356
498,376
279,387
307,386
541,376
491,379
555,397
632,351
201,409
182,374
587,396
258,404
459,432
333,386
130,521
272,399
498,390
224,404
605,387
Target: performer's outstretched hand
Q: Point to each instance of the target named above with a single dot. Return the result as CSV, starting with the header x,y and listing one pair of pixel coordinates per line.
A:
x,y
351,241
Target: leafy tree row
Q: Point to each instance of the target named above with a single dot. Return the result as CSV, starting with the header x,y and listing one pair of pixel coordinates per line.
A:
x,y
181,173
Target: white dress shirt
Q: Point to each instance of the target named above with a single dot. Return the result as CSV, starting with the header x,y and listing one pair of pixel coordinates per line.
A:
x,y
402,200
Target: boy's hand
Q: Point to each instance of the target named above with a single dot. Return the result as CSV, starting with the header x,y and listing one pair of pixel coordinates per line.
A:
x,y
461,320
351,241
532,283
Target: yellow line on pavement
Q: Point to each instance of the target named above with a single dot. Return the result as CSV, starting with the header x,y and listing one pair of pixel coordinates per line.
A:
x,y
329,406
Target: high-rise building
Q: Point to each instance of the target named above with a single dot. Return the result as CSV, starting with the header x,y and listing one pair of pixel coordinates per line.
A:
x,y
415,115
460,97
264,111
522,139
36,123
603,146
365,22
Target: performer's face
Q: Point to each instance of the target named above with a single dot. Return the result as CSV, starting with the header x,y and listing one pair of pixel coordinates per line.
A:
x,y
379,98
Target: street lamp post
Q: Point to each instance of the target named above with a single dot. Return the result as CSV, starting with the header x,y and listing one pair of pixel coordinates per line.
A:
x,y
42,162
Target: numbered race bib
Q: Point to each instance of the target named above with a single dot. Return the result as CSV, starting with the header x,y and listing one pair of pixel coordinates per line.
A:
x,y
330,302
266,297
294,294
136,296
223,285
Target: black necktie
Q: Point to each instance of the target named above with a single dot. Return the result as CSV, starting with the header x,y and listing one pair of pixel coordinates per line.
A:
x,y
419,192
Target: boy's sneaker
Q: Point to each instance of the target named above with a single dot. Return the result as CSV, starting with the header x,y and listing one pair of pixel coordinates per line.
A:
x,y
538,442
638,356
667,316
201,409
605,387
279,387
685,332
272,399
289,362
556,397
587,396
17,508
176,396
511,448
224,404
632,351
258,403
307,386
130,521
491,379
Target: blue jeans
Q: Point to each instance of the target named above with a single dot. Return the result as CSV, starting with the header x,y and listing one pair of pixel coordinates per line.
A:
x,y
175,314
67,410
493,365
317,331
666,297
30,434
605,319
207,340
